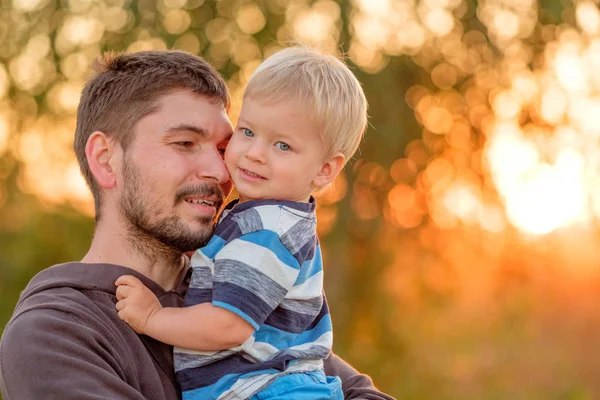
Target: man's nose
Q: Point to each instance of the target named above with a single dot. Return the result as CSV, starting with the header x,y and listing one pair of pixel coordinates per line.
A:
x,y
212,167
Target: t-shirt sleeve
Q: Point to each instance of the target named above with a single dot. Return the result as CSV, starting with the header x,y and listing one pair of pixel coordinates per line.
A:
x,y
252,275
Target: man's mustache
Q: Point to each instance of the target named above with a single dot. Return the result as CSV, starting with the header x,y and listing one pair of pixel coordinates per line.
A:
x,y
201,190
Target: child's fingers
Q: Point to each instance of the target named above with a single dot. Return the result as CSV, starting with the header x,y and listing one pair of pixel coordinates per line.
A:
x,y
120,305
129,280
123,291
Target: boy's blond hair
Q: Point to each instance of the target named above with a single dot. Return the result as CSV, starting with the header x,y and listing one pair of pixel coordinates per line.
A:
x,y
322,84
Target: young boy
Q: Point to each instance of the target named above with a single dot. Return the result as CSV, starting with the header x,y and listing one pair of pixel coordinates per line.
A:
x,y
255,322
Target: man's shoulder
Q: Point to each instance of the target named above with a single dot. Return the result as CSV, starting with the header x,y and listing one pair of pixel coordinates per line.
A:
x,y
63,292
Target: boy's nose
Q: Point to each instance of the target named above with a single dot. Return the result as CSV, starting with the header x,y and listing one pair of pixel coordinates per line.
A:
x,y
256,152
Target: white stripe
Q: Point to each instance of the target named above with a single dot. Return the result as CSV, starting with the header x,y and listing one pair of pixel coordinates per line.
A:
x,y
311,288
305,365
325,340
260,350
245,388
277,221
260,258
199,259
270,216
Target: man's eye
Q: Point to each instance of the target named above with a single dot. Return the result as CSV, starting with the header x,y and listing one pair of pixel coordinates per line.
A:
x,y
185,144
247,132
282,146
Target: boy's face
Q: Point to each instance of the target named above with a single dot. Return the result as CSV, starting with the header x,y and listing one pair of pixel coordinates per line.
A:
x,y
275,152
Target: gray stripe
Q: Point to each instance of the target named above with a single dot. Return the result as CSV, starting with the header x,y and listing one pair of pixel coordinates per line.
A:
x,y
299,234
312,352
201,278
184,360
308,306
248,221
243,275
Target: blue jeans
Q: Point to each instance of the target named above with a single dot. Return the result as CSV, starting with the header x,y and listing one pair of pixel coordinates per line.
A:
x,y
300,386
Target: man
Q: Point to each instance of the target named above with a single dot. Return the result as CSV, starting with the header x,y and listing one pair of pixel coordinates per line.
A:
x,y
151,131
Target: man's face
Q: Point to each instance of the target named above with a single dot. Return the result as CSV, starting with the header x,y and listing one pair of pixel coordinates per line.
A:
x,y
173,178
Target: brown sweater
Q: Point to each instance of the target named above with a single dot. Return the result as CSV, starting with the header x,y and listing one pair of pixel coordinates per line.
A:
x,y
65,341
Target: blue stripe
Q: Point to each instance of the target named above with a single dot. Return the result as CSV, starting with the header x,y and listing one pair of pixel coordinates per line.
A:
x,y
242,299
213,247
271,242
236,311
283,340
197,296
310,268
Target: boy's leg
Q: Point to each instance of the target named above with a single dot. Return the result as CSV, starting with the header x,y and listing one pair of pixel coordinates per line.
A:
x,y
303,386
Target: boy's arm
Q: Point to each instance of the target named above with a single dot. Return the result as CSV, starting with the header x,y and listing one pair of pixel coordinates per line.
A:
x,y
200,327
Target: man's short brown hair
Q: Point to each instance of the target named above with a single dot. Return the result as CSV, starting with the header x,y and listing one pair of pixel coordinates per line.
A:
x,y
127,87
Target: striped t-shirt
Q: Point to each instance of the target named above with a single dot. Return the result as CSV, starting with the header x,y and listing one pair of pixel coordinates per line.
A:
x,y
264,264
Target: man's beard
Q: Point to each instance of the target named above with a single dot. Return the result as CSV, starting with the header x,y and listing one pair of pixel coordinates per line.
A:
x,y
152,234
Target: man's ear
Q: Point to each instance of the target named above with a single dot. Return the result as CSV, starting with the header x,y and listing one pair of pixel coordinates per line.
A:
x,y
329,171
100,150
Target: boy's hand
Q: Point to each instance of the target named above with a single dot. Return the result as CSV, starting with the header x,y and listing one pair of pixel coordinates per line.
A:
x,y
136,303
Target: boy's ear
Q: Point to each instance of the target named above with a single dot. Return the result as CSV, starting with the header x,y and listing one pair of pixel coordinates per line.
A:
x,y
329,171
100,151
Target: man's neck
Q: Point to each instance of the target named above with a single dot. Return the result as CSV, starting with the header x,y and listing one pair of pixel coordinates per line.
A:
x,y
116,246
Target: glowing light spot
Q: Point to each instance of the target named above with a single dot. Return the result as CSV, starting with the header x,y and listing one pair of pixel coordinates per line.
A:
x,y
174,3
402,198
30,147
250,19
29,5
375,7
370,60
312,26
26,72
371,31
511,157
4,81
438,120
505,24
444,76
3,134
439,21
77,187
463,201
492,219
507,105
188,42
571,71
588,17
82,30
176,21
551,197
553,105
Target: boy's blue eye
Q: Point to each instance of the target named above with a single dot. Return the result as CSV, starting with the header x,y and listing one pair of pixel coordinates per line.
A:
x,y
282,146
247,132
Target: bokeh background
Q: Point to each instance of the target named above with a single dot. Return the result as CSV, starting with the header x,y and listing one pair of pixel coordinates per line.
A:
x,y
461,244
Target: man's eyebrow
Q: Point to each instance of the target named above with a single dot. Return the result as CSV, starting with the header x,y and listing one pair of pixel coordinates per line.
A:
x,y
188,128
